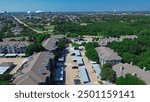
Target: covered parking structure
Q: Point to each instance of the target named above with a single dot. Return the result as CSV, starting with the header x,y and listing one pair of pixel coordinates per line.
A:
x,y
76,57
4,67
2,55
97,69
11,55
75,52
59,75
78,60
61,58
83,75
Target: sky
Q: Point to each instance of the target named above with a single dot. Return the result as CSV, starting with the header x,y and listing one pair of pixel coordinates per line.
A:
x,y
74,5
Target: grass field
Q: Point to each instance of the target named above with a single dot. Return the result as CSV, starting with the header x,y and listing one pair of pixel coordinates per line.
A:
x,y
49,27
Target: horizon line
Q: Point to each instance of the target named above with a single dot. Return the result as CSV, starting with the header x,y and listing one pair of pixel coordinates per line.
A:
x,y
80,11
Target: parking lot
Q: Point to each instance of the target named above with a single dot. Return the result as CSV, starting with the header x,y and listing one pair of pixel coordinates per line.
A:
x,y
72,74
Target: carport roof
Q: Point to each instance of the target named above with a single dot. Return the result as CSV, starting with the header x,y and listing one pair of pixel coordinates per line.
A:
x,y
83,74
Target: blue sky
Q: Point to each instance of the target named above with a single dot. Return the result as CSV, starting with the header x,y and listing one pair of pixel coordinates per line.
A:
x,y
74,5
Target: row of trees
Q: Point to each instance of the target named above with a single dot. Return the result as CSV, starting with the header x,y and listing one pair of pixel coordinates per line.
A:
x,y
91,51
107,26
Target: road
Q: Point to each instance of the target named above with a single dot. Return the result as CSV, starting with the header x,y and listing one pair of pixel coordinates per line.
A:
x,y
40,32
69,70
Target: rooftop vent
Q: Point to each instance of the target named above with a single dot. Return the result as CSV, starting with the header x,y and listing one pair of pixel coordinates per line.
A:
x,y
144,68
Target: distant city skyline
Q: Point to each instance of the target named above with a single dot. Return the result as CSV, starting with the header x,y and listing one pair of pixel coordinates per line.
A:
x,y
71,6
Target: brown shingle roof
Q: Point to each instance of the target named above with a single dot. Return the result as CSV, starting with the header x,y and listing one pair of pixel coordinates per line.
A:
x,y
107,54
50,43
36,69
127,68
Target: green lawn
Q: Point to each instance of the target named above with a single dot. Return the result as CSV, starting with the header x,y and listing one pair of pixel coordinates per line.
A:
x,y
49,27
45,29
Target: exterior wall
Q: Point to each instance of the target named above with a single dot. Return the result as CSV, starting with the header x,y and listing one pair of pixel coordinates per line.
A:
x,y
113,62
102,62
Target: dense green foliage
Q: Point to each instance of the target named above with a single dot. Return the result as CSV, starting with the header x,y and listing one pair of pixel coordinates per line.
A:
x,y
107,26
40,37
4,79
91,51
72,35
129,80
75,45
37,45
107,73
6,25
136,51
61,43
33,48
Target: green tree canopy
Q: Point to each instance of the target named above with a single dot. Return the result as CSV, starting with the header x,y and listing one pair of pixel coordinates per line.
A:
x,y
5,78
107,73
129,80
61,43
91,51
41,37
33,48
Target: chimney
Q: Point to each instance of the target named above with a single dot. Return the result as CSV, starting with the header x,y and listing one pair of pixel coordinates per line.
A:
x,y
106,41
34,53
121,39
121,68
144,68
133,74
131,63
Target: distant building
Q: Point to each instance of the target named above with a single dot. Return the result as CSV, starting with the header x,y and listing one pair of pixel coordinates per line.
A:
x,y
132,37
16,30
107,55
123,69
36,71
106,41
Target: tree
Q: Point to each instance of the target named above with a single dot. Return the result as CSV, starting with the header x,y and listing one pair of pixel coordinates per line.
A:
x,y
61,43
107,73
145,32
5,79
91,52
33,48
129,80
72,35
37,45
75,45
41,37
